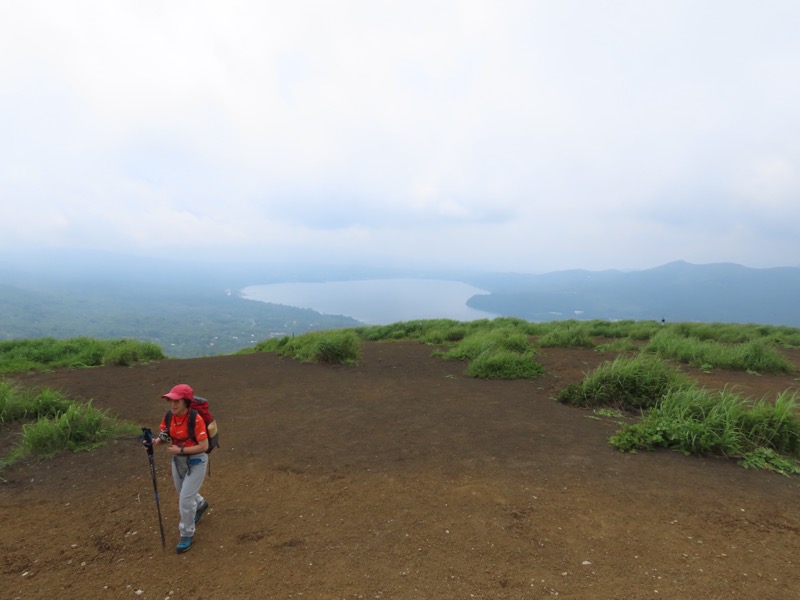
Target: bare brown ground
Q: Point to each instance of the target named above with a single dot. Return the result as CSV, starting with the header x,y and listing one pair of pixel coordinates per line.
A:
x,y
397,479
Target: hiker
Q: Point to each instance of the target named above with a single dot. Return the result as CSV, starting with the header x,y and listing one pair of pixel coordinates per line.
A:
x,y
189,458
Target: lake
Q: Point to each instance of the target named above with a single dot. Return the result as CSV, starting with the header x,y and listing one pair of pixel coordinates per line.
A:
x,y
377,301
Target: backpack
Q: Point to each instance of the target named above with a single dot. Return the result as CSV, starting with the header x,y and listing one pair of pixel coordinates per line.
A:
x,y
199,406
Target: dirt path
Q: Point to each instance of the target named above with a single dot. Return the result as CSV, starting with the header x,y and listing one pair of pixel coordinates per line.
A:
x,y
399,478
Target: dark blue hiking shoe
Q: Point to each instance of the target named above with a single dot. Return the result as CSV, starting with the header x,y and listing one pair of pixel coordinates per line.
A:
x,y
199,512
183,544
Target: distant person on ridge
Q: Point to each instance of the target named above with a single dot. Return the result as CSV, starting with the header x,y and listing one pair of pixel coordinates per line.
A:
x,y
189,459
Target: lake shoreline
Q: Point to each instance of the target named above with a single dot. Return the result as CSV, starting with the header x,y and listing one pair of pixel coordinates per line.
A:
x,y
376,301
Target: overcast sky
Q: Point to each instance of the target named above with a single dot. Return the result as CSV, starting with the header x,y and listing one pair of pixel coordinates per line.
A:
x,y
529,136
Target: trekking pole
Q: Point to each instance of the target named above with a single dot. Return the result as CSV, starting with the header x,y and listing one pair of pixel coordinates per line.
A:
x,y
147,441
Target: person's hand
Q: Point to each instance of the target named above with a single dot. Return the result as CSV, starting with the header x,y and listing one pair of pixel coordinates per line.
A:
x,y
147,438
174,450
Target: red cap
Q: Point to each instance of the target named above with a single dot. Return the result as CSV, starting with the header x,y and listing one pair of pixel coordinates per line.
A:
x,y
180,392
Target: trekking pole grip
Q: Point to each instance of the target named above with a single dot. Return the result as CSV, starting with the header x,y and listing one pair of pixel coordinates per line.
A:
x,y
147,439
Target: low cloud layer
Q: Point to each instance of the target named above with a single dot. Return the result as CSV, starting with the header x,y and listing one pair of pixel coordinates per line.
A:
x,y
524,136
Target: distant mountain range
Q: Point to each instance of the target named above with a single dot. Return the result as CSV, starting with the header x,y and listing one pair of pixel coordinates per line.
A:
x,y
677,291
195,309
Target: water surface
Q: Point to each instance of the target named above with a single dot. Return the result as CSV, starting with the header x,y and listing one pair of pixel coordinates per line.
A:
x,y
377,301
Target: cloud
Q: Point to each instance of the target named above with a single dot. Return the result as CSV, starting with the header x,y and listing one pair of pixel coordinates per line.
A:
x,y
625,134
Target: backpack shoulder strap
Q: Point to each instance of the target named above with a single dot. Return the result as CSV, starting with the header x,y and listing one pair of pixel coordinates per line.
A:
x,y
168,420
192,418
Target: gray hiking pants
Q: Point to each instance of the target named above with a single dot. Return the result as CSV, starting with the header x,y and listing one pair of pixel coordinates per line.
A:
x,y
188,473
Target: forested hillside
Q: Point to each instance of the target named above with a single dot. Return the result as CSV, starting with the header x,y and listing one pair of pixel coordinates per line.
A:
x,y
677,291
186,318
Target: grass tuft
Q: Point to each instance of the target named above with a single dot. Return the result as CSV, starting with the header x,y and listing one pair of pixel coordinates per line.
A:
x,y
55,423
629,384
566,338
504,364
696,421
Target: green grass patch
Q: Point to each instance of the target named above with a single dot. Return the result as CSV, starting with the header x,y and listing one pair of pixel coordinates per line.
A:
x,y
679,415
618,345
43,354
18,404
756,355
628,384
609,412
504,364
441,332
767,459
125,353
335,346
402,330
783,337
755,350
496,349
636,330
486,341
53,423
566,338
496,353
696,421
